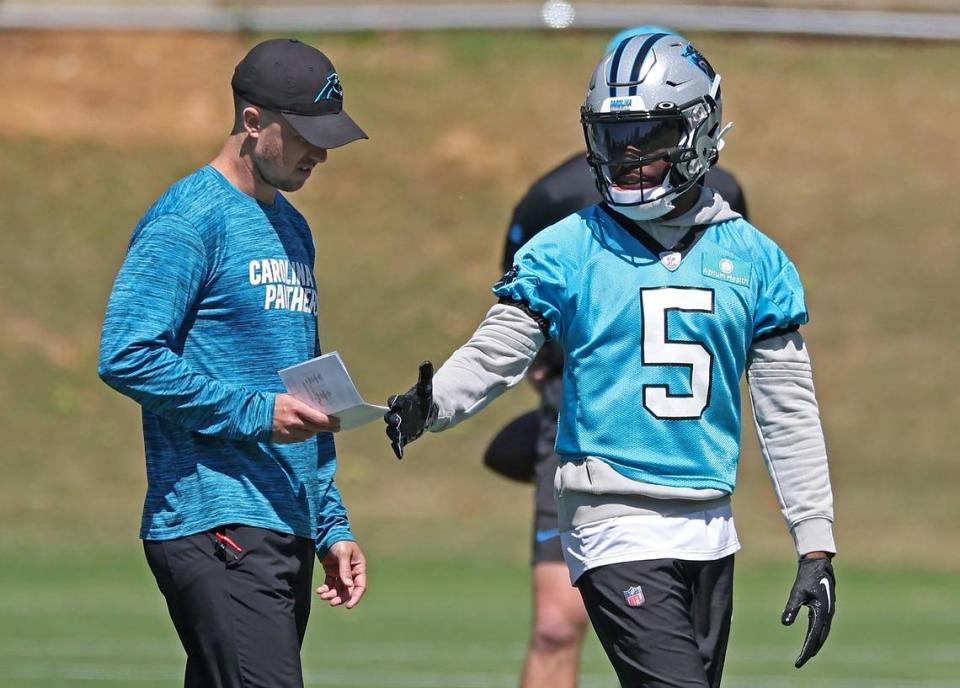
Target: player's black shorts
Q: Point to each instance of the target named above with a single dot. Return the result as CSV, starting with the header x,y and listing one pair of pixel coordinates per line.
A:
x,y
663,623
546,535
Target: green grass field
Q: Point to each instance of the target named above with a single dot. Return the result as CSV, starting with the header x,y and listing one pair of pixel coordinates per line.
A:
x,y
846,151
95,619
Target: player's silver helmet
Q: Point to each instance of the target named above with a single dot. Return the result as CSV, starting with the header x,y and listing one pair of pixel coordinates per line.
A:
x,y
653,103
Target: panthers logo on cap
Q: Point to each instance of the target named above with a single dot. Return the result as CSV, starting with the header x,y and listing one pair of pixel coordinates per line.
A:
x,y
332,90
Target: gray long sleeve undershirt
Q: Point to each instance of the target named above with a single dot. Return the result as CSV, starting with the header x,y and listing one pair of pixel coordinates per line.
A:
x,y
492,361
787,420
780,381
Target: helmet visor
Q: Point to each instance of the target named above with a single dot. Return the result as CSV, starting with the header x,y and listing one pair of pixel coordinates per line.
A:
x,y
634,154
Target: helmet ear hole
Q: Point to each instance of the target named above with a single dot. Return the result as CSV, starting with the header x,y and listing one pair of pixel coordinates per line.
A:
x,y
690,169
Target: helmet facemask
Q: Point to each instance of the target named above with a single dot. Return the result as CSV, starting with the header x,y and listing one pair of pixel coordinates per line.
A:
x,y
633,156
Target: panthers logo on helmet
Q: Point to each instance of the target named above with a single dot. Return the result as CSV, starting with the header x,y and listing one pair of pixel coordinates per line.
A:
x,y
699,60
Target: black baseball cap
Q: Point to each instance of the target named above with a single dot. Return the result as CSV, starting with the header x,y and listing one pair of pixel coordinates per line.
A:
x,y
298,81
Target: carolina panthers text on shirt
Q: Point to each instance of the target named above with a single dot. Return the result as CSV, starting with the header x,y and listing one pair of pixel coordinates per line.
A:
x,y
287,284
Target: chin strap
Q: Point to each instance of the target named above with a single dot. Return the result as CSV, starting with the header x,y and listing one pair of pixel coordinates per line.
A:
x,y
645,212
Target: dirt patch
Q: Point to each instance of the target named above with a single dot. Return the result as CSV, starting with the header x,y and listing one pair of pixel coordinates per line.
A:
x,y
468,150
121,88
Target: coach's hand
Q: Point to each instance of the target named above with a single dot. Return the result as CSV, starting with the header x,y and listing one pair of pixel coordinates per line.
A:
x,y
411,413
345,579
295,421
815,587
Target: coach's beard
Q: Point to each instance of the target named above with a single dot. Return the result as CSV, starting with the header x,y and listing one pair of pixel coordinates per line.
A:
x,y
283,184
265,168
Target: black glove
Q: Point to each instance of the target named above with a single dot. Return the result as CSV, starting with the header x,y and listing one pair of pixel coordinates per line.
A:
x,y
814,587
411,413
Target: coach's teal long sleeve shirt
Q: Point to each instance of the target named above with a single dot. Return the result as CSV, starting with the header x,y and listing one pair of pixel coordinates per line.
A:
x,y
216,294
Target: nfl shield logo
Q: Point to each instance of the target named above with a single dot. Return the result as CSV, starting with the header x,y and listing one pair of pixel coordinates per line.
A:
x,y
670,260
634,596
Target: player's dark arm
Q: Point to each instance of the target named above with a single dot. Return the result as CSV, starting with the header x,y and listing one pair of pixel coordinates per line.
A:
x,y
513,452
494,359
787,418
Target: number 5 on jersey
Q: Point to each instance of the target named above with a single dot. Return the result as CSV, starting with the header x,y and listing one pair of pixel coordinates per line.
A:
x,y
658,350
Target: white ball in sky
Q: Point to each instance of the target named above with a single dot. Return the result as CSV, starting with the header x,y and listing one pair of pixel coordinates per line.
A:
x,y
558,14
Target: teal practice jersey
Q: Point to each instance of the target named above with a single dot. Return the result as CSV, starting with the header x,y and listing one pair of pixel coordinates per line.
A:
x,y
656,340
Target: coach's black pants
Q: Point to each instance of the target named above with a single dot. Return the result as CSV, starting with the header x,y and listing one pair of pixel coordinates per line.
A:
x,y
239,598
676,632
